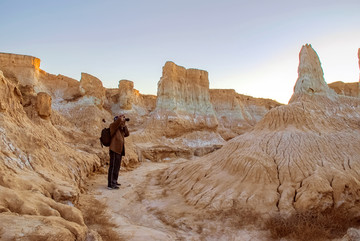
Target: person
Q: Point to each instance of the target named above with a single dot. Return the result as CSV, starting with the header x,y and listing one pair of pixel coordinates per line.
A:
x,y
118,132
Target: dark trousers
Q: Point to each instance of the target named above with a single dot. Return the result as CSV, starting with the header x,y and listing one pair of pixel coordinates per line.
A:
x,y
114,168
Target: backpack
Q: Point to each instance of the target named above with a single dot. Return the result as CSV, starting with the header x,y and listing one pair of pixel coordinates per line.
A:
x,y
105,138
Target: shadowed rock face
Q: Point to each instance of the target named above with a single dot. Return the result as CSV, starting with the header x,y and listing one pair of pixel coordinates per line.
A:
x,y
302,156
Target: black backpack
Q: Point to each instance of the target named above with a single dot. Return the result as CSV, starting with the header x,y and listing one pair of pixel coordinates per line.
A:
x,y
105,138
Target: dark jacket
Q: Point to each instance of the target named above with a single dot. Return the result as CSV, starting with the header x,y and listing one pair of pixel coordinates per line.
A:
x,y
118,131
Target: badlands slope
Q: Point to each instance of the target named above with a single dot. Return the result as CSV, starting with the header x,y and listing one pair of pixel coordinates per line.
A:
x,y
49,129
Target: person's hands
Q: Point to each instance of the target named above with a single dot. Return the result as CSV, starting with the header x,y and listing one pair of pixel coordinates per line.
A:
x,y
122,120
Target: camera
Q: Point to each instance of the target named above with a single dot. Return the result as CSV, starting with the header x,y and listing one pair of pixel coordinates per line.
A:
x,y
127,119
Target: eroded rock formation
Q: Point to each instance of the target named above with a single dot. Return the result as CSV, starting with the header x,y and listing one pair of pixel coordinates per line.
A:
x,y
41,172
237,113
127,100
184,121
183,102
301,156
93,88
43,104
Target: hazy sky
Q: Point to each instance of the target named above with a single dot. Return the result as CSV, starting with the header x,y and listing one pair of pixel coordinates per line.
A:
x,y
249,46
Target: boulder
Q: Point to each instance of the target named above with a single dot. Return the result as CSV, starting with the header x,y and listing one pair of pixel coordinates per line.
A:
x,y
43,104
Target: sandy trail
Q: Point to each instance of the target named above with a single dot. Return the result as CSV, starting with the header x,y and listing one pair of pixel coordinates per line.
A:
x,y
133,220
139,214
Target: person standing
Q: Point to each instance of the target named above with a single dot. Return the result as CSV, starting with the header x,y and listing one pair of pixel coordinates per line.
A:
x,y
118,132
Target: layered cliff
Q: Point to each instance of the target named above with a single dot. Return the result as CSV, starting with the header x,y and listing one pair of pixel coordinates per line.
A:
x,y
238,113
183,102
183,123
21,69
299,157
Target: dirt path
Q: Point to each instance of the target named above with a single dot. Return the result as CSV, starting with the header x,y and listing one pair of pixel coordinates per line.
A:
x,y
138,214
133,220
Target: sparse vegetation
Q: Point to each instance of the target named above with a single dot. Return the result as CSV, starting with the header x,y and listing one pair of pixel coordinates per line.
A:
x,y
311,225
97,219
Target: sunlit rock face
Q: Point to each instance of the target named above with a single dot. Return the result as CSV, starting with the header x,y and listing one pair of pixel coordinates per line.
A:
x,y
238,113
298,157
60,87
92,87
21,69
42,168
183,102
126,94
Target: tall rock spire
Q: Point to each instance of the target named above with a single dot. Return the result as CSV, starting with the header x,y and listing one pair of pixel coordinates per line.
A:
x,y
310,74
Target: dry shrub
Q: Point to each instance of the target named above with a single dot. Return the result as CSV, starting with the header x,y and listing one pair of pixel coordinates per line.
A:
x,y
238,217
311,225
97,219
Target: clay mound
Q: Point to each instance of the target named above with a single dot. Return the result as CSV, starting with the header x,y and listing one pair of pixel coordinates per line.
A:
x,y
302,156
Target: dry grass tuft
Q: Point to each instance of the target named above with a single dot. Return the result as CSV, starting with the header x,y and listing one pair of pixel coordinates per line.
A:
x,y
311,225
97,219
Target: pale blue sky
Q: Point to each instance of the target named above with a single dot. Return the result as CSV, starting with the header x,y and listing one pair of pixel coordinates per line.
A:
x,y
249,46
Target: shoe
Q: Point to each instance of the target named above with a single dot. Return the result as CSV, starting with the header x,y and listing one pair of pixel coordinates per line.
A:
x,y
113,187
117,184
